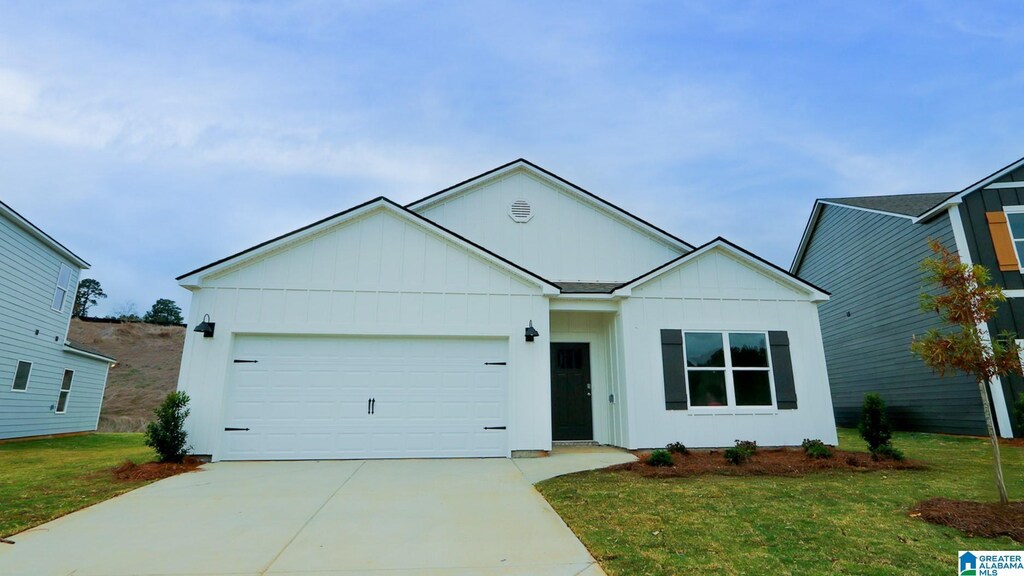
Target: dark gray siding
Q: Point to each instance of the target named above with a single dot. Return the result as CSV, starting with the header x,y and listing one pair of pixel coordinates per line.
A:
x,y
870,263
1010,316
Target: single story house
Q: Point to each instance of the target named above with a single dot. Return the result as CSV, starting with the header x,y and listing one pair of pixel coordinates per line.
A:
x,y
48,384
495,318
867,251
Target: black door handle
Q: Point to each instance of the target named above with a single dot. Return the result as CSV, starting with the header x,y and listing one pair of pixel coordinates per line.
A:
x,y
494,427
373,405
369,401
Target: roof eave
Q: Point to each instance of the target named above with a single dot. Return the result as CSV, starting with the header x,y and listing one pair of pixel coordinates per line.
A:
x,y
42,236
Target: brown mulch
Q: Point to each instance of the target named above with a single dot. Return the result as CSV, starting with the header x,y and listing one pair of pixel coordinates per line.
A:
x,y
132,472
765,462
974,518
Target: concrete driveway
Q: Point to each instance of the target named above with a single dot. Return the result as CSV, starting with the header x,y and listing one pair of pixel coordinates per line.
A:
x,y
379,517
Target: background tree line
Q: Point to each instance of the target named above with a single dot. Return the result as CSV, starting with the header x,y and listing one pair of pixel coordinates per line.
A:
x,y
164,311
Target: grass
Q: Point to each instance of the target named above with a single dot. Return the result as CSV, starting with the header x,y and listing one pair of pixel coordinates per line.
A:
x,y
828,523
44,479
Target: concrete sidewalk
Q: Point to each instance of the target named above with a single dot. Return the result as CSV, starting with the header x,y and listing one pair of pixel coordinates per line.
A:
x,y
380,517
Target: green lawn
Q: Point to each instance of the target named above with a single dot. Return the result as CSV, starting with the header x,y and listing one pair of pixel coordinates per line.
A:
x,y
829,523
43,479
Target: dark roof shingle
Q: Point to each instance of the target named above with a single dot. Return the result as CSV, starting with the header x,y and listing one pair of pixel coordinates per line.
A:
x,y
905,204
587,287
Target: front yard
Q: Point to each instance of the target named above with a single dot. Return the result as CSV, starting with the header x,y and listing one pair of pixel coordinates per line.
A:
x,y
826,523
43,479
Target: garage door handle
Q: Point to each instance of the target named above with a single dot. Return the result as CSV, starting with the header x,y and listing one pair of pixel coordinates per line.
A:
x,y
236,429
494,427
495,363
237,361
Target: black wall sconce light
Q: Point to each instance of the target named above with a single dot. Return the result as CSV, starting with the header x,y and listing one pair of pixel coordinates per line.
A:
x,y
206,327
531,332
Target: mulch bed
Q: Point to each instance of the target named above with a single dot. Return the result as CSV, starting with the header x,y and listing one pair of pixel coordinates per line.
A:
x,y
132,472
766,462
974,518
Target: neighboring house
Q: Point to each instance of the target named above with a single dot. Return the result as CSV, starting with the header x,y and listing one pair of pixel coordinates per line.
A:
x,y
867,252
494,318
48,384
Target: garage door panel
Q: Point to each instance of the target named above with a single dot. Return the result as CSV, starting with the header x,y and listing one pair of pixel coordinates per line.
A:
x,y
306,398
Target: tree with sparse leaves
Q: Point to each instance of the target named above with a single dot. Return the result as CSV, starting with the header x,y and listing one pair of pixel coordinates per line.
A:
x,y
966,302
89,291
164,312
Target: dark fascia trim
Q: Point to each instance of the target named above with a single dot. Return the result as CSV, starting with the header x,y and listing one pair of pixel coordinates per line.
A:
x,y
40,230
404,210
737,247
550,174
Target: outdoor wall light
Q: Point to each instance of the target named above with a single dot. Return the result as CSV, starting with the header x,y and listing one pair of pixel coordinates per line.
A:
x,y
206,327
531,332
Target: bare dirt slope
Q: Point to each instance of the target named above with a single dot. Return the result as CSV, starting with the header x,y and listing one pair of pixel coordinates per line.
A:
x,y
148,358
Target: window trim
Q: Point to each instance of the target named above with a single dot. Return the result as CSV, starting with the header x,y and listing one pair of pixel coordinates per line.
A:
x,y
57,286
28,379
730,384
63,392
1007,210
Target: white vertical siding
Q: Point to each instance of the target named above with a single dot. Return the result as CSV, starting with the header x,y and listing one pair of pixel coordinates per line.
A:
x,y
567,239
376,275
718,292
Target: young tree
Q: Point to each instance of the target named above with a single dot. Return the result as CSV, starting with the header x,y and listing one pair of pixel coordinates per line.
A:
x,y
89,291
966,303
167,433
165,312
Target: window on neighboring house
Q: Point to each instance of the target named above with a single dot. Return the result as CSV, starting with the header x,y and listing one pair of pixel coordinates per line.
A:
x,y
741,377
21,375
65,391
63,287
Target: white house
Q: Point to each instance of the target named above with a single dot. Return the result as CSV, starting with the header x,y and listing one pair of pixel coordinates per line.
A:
x,y
492,318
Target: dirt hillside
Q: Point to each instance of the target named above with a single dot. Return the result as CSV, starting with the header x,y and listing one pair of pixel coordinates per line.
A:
x,y
148,357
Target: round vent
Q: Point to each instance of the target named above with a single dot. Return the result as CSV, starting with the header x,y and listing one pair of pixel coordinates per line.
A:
x,y
520,211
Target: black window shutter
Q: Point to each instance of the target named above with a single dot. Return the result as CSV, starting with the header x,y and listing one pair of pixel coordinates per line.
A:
x,y
782,369
672,368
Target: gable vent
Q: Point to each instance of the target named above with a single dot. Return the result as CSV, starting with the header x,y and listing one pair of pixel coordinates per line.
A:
x,y
520,211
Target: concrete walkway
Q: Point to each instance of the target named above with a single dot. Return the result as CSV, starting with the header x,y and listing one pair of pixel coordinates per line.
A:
x,y
379,517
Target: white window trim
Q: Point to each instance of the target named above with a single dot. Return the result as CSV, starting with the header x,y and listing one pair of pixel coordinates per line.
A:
x,y
27,380
730,385
1007,210
57,409
57,286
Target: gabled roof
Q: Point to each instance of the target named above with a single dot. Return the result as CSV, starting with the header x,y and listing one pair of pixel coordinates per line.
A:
x,y
899,204
817,293
43,237
84,350
192,278
587,196
916,207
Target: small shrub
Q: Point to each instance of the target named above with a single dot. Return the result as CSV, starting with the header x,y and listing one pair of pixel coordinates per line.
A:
x,y
874,425
749,445
887,452
736,455
818,451
167,433
660,458
1018,407
741,452
677,448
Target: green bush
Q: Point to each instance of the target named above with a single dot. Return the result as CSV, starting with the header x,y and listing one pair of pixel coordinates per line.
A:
x,y
887,452
167,433
1018,407
677,448
816,449
874,425
741,452
660,458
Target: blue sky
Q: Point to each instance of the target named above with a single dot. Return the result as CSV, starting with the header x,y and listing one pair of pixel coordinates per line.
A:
x,y
153,138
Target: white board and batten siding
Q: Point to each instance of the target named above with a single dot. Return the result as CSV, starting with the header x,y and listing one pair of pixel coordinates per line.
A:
x,y
567,237
718,292
29,269
382,280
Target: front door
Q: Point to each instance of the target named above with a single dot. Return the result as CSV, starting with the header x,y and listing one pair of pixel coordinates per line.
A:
x,y
571,413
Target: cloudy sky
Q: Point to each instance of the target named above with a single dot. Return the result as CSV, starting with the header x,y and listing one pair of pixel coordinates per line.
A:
x,y
153,138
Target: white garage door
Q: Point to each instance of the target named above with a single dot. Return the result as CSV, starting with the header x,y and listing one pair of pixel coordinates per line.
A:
x,y
307,397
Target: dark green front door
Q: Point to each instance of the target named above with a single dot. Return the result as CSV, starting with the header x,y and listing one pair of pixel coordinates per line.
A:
x,y
571,412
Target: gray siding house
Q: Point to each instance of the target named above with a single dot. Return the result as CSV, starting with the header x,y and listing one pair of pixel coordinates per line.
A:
x,y
867,252
48,384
